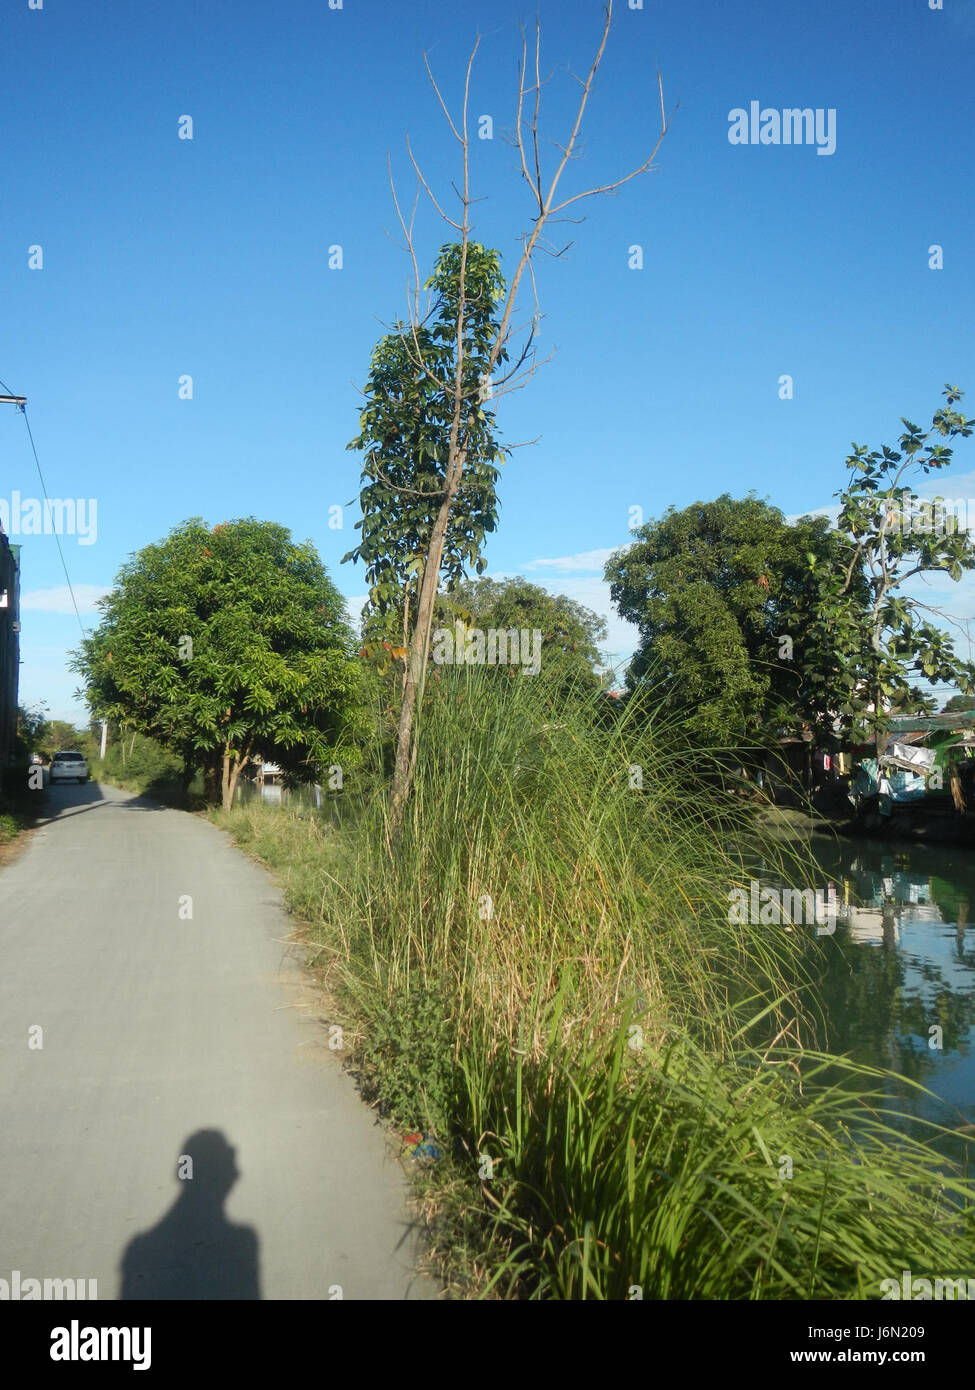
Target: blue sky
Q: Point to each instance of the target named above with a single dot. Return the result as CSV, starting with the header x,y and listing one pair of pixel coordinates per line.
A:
x,y
209,257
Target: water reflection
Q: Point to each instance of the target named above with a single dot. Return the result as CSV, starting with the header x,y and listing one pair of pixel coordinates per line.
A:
x,y
896,982
274,794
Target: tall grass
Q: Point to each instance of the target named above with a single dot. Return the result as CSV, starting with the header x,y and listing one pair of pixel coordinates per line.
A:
x,y
542,969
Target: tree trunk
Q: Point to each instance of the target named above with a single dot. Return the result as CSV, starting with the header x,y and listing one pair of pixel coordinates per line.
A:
x,y
954,782
416,661
230,769
211,779
232,766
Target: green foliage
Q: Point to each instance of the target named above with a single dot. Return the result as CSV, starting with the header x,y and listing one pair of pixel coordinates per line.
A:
x,y
228,644
406,1065
138,764
36,733
506,1025
669,1179
877,648
958,702
713,588
570,632
405,432
32,730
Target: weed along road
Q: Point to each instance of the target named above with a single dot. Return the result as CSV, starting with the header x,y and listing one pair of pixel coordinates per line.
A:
x,y
174,1125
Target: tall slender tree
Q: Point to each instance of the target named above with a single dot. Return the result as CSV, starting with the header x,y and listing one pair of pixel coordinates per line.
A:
x,y
456,401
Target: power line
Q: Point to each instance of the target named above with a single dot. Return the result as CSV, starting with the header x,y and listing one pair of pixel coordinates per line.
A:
x,y
47,500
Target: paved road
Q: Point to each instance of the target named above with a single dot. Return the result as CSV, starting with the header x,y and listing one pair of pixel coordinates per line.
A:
x,y
166,1039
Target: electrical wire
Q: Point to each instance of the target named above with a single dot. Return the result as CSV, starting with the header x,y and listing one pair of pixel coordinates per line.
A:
x,y
57,538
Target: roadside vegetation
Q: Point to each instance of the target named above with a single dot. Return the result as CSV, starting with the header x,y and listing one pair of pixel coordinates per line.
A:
x,y
11,824
138,764
541,974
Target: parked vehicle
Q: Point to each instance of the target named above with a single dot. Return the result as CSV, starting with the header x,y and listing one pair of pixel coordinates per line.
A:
x,y
69,767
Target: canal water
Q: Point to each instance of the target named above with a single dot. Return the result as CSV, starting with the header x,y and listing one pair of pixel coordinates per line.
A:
x,y
273,794
896,985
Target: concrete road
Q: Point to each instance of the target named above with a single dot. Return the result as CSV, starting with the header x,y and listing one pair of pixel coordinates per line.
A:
x,y
172,1044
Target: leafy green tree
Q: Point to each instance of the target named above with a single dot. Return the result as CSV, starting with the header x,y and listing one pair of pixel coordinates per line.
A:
x,y
405,431
716,590
963,703
888,535
32,728
59,734
227,646
571,633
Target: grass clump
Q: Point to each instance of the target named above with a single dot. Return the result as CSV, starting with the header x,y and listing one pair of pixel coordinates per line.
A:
x,y
542,969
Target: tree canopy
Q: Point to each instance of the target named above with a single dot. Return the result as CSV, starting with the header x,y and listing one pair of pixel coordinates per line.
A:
x,y
715,590
226,645
405,432
571,633
888,536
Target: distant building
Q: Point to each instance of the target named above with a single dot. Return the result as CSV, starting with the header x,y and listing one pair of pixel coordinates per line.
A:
x,y
9,645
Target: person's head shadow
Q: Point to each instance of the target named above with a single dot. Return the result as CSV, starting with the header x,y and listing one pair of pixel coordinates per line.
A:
x,y
194,1252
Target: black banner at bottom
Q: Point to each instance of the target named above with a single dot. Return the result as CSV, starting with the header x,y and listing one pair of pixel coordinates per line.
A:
x,y
174,1340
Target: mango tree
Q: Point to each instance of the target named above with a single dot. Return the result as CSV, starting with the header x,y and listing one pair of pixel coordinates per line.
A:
x,y
228,646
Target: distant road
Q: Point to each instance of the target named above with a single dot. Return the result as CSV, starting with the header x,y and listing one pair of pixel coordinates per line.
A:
x,y
171,1044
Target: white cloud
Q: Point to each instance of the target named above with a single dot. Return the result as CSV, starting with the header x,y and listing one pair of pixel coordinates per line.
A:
x,y
59,600
354,607
622,638
947,485
566,564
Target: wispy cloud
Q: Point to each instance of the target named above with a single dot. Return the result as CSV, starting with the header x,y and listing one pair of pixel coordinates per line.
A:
x,y
832,512
59,600
354,607
587,561
948,485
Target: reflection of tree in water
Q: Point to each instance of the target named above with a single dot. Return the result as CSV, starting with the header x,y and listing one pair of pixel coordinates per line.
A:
x,y
860,989
881,1005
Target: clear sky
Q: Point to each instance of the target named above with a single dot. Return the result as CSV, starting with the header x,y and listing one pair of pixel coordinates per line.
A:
x,y
165,257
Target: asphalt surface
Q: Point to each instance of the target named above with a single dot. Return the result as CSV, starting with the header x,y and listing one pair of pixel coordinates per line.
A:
x,y
167,1039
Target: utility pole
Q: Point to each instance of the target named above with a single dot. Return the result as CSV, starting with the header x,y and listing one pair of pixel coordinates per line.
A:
x,y
10,661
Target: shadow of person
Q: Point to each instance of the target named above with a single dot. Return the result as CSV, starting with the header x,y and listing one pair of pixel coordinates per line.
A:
x,y
195,1252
